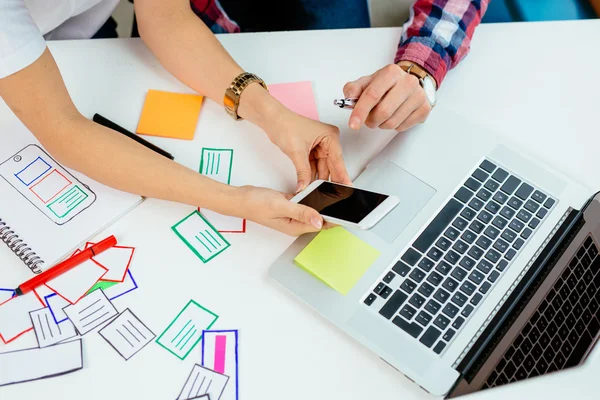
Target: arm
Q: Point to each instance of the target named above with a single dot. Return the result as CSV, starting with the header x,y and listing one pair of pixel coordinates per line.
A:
x,y
436,37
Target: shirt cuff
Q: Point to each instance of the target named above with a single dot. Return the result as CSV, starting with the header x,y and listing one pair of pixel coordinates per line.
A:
x,y
424,51
22,57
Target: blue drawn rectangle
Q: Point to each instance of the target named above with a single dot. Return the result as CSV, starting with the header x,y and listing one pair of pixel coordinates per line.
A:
x,y
237,358
57,311
109,292
33,171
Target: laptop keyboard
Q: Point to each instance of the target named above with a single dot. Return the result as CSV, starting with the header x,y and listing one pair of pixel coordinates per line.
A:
x,y
436,285
562,328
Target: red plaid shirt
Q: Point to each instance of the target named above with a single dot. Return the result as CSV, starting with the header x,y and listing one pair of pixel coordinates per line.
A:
x,y
437,35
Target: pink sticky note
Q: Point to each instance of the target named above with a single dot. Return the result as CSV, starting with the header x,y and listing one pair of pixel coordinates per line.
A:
x,y
297,96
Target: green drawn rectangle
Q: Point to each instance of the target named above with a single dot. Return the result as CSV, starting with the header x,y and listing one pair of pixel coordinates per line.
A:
x,y
190,303
68,196
210,166
191,247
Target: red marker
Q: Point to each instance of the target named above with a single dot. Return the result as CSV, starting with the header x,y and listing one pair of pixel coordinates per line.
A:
x,y
66,265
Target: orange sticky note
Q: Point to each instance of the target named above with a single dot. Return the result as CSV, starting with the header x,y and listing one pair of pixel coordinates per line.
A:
x,y
171,115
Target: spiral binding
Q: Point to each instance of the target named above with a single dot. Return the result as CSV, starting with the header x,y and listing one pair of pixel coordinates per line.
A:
x,y
20,248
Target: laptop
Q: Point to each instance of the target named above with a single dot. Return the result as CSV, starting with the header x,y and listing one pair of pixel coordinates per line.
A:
x,y
489,270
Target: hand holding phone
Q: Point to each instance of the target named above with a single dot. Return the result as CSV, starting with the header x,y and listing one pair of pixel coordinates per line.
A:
x,y
346,205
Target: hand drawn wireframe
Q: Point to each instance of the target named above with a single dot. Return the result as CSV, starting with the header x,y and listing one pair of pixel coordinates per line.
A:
x,y
114,290
220,353
203,381
217,164
127,334
14,316
47,331
200,236
91,311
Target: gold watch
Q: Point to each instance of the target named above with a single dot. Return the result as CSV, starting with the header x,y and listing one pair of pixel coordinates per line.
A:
x,y
426,81
234,91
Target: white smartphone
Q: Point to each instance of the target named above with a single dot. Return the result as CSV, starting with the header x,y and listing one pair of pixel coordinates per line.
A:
x,y
346,205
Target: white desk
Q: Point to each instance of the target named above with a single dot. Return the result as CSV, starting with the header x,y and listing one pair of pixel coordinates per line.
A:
x,y
534,83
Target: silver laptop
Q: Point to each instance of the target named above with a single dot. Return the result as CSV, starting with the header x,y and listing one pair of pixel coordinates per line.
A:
x,y
489,270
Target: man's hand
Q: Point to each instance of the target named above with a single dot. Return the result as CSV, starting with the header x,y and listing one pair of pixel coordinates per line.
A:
x,y
313,147
388,99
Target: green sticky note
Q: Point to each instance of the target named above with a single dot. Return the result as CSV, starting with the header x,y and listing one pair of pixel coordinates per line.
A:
x,y
102,285
338,258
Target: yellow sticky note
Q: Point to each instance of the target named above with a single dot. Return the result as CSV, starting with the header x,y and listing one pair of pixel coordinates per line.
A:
x,y
171,115
338,258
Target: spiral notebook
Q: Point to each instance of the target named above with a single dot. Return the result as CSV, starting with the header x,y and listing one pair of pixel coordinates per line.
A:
x,y
46,210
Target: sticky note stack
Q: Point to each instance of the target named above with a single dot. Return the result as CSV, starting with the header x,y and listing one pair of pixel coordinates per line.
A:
x,y
338,258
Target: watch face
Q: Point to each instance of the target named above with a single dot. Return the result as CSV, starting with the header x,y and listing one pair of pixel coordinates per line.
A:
x,y
429,88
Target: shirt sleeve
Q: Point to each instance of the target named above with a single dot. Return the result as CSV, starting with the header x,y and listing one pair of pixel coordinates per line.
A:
x,y
438,33
21,42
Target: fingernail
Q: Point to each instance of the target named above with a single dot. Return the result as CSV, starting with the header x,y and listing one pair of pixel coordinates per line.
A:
x,y
316,222
299,187
354,123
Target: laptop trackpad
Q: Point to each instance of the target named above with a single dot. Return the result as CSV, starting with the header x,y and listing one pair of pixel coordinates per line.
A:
x,y
412,192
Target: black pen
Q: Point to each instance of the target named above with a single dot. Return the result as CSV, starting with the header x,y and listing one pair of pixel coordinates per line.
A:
x,y
99,119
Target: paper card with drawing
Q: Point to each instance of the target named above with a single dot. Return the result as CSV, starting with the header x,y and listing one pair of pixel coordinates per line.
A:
x,y
115,260
225,223
127,334
203,381
185,331
114,290
33,364
14,316
90,312
47,331
220,353
200,236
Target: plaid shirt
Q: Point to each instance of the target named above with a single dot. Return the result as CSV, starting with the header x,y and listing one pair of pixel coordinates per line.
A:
x,y
437,35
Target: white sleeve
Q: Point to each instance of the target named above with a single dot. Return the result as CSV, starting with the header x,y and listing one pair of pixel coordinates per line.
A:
x,y
21,42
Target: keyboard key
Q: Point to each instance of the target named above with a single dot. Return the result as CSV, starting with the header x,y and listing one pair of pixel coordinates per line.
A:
x,y
473,184
439,347
450,285
500,197
476,277
441,295
484,266
448,335
433,306
401,268
458,322
452,257
413,329
386,292
408,286
500,175
487,166
507,212
534,223
441,322
389,277
430,336
492,207
549,203
491,232
531,206
450,310
459,274
426,289
460,247
515,203
499,222
508,235
370,299
493,256
393,304
476,226
443,243
491,185
502,265
524,215
417,300
451,233
459,299
526,233
468,213
484,242
476,204
467,311
468,288
493,276
485,287
459,223
475,252
480,175
444,268
476,298
538,196
467,262
438,225
484,194
417,275
435,254
501,245
524,191
411,257
426,264
516,225
510,185
463,194
510,254
379,288
468,236
435,278
541,213
423,318
484,217
408,312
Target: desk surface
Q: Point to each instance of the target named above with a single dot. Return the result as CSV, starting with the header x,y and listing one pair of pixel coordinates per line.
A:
x,y
533,83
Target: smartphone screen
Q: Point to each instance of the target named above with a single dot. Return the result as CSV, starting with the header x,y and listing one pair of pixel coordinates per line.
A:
x,y
342,202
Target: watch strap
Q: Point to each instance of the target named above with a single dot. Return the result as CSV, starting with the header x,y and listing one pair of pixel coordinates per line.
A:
x,y
231,101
